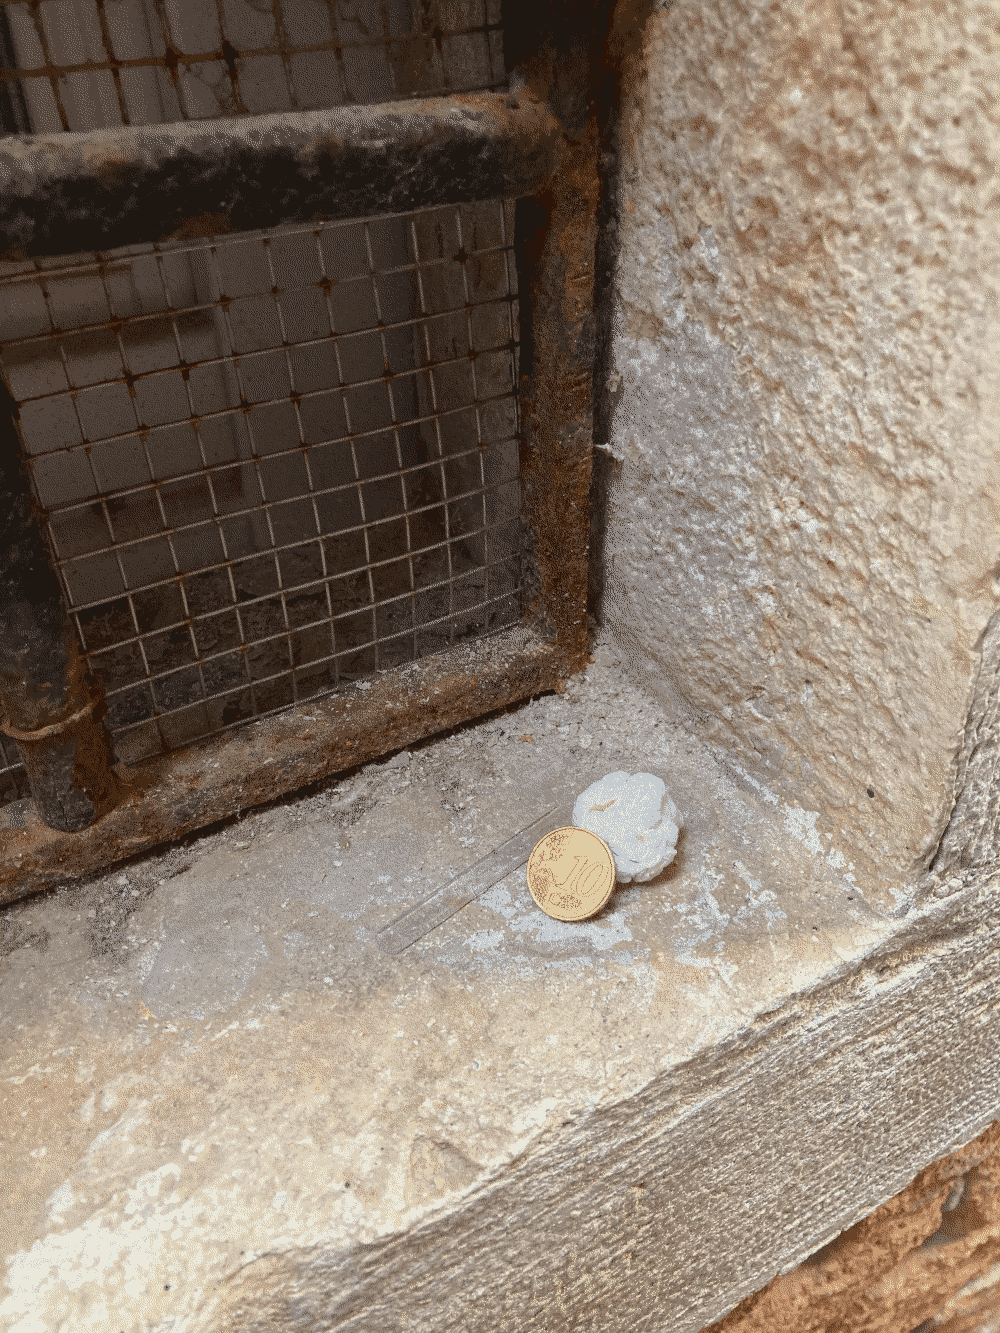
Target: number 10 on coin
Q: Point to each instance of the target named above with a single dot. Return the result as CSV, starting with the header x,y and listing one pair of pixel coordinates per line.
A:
x,y
571,874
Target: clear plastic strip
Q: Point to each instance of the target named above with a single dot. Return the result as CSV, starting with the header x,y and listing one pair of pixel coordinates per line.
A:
x,y
444,902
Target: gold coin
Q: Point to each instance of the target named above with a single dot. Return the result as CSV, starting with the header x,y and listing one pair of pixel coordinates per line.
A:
x,y
571,874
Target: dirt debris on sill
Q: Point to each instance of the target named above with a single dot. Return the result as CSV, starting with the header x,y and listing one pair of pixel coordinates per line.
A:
x,y
446,800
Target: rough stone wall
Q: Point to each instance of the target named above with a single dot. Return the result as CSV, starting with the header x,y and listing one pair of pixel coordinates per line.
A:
x,y
802,525
928,1261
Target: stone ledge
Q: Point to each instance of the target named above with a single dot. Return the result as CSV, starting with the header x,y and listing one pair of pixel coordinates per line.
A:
x,y
225,1109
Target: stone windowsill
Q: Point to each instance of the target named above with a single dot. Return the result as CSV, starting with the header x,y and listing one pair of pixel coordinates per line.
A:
x,y
223,1107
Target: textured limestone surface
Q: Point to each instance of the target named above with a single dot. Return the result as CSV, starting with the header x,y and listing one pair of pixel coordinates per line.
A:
x,y
222,1108
803,541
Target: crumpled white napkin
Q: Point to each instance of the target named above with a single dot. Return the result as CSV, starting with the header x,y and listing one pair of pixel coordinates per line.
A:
x,y
636,818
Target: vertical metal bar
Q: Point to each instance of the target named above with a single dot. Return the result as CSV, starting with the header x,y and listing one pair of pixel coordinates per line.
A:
x,y
49,704
623,40
553,51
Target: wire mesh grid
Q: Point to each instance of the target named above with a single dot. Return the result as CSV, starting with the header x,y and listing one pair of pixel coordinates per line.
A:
x,y
90,64
272,463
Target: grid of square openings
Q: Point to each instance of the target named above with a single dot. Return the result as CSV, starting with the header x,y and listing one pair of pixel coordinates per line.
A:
x,y
90,64
276,463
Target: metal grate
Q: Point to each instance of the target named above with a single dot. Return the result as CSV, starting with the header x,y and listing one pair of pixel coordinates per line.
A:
x,y
273,463
90,64
105,188
276,462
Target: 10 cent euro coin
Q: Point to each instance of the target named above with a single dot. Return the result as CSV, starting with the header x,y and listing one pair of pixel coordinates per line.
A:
x,y
571,874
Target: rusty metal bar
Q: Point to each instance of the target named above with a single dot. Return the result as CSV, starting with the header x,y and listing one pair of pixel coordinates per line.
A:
x,y
214,780
94,190
49,704
556,239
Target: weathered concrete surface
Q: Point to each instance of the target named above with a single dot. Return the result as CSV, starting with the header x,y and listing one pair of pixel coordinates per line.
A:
x,y
803,541
223,1109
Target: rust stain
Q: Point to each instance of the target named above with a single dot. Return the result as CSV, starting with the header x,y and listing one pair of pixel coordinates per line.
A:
x,y
557,399
109,164
202,224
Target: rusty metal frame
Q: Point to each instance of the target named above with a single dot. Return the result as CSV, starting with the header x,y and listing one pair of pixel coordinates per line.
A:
x,y
549,118
94,190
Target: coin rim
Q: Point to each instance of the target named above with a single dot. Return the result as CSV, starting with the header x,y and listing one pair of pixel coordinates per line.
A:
x,y
575,828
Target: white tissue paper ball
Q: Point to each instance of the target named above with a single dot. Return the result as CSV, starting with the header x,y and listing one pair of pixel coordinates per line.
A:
x,y
636,818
